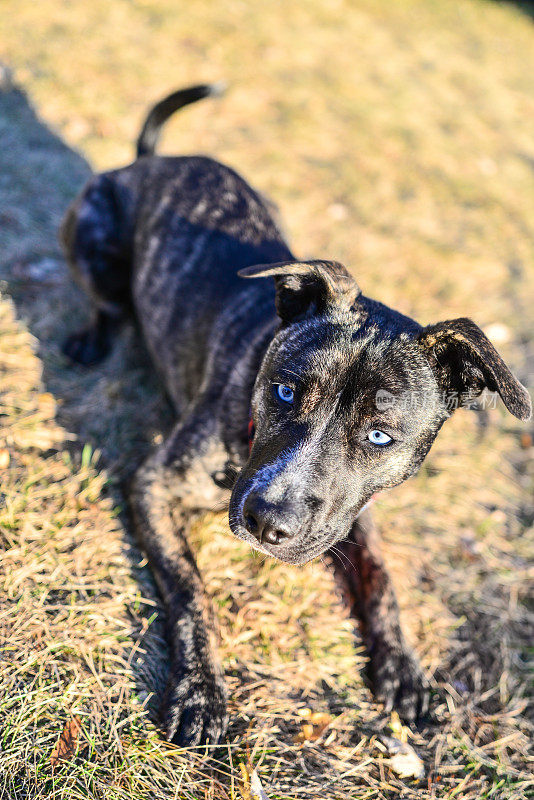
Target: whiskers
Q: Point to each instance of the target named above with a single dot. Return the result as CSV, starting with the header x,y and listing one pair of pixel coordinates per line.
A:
x,y
345,561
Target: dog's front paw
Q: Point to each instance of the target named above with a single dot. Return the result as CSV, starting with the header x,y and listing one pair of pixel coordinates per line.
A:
x,y
397,681
194,709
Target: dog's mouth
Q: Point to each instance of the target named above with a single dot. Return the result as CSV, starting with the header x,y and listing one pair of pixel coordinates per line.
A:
x,y
291,532
291,544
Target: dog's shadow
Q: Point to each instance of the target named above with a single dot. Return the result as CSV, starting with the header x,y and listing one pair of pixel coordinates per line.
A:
x,y
115,408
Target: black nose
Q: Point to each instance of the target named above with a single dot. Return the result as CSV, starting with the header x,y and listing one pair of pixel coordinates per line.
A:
x,y
266,521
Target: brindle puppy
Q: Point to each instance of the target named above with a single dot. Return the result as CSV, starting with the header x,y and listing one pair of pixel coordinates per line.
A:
x,y
321,372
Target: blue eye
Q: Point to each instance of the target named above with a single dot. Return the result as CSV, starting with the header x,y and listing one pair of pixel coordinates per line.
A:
x,y
285,393
379,437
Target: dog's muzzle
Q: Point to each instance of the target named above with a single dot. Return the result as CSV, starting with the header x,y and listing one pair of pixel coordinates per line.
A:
x,y
270,524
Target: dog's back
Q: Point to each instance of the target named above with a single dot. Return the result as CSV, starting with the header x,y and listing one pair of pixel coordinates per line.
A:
x,y
165,237
197,224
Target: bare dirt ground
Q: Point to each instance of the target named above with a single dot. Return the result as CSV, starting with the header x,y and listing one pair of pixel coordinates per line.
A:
x,y
396,137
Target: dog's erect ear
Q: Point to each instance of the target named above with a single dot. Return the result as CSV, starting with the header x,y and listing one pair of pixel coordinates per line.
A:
x,y
465,363
307,287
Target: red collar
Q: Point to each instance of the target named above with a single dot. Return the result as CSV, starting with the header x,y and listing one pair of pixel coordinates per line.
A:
x,y
251,430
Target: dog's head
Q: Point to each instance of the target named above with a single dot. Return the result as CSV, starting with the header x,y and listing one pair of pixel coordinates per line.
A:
x,y
347,402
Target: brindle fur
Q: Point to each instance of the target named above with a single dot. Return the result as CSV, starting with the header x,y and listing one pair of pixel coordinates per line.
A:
x,y
163,240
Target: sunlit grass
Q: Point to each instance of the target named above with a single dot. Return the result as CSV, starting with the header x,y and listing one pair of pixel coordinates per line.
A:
x,y
396,137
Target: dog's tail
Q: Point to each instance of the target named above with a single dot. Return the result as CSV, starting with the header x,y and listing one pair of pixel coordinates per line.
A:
x,y
160,113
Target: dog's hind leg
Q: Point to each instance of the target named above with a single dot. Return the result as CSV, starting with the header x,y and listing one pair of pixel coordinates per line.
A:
x,y
168,493
95,235
92,344
393,672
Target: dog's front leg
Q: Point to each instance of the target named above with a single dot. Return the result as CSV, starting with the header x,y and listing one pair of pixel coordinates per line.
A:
x,y
168,492
393,670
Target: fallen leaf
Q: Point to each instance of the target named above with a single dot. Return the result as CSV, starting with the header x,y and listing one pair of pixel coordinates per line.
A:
x,y
305,734
404,760
399,730
4,458
67,742
407,765
313,725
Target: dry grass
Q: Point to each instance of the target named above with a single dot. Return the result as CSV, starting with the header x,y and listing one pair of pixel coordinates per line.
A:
x,y
395,136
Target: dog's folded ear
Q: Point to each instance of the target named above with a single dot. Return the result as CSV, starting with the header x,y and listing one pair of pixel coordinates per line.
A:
x,y
304,288
465,363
